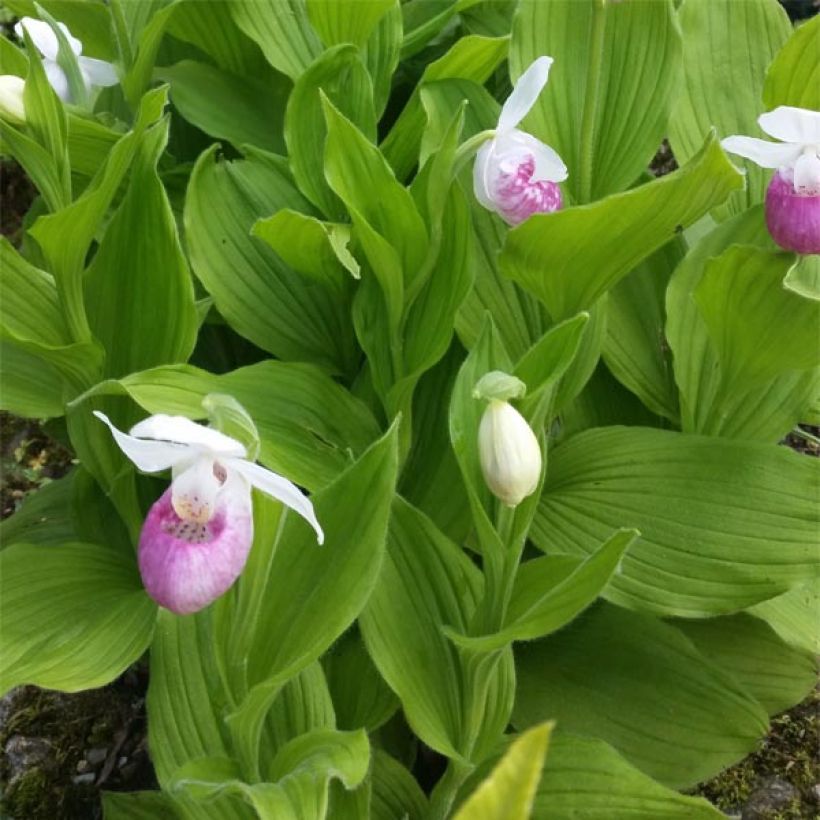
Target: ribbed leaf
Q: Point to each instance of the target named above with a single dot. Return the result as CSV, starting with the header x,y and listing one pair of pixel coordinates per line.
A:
x,y
794,616
727,48
346,21
793,77
74,616
594,110
724,524
394,791
569,258
639,684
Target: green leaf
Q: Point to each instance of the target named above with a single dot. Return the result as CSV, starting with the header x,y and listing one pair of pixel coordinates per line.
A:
x,y
314,248
381,55
428,582
257,293
794,615
89,143
594,111
282,30
613,674
141,806
74,616
569,258
727,47
586,779
793,77
804,277
242,110
139,74
360,696
340,75
724,524
27,384
394,791
746,309
750,651
140,254
470,58
288,403
765,412
346,21
549,592
508,793
635,348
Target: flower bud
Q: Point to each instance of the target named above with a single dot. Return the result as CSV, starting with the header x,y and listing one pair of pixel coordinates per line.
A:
x,y
12,108
509,453
792,217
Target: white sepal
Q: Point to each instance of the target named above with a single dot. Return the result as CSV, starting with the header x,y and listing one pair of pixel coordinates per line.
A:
x,y
279,488
149,456
524,94
44,38
97,72
762,152
789,124
182,430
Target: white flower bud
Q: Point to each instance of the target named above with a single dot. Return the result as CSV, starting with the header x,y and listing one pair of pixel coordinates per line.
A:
x,y
12,108
509,453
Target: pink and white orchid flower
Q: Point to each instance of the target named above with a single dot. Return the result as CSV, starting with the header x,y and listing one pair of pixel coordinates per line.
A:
x,y
515,174
197,536
793,196
94,72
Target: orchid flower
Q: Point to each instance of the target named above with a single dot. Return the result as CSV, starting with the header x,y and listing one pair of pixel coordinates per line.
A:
x,y
94,72
515,174
793,196
197,536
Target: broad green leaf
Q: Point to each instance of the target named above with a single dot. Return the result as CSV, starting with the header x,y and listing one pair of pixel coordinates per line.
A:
x,y
89,143
257,293
508,793
346,21
242,110
569,258
29,387
211,28
549,592
594,111
287,401
74,616
794,616
635,349
766,412
146,805
746,309
804,277
13,60
774,673
282,30
427,582
727,47
394,791
586,779
146,41
381,55
793,77
360,696
640,685
140,255
423,21
314,248
724,524
471,58
340,75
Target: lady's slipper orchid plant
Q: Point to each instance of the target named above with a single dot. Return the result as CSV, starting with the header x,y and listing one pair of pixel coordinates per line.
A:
x,y
197,536
12,107
515,174
94,72
793,196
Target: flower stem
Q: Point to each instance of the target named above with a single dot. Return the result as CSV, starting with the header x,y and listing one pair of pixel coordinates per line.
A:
x,y
467,150
445,791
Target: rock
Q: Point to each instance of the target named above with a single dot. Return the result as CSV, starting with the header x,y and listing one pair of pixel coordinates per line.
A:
x,y
24,753
96,756
84,779
770,795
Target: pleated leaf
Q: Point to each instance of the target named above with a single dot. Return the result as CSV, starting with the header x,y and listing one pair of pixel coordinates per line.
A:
x,y
793,77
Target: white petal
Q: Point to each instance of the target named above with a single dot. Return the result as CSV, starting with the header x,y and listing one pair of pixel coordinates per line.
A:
x,y
796,125
549,167
482,175
807,174
149,456
98,72
763,153
57,80
185,431
194,491
43,36
279,488
524,94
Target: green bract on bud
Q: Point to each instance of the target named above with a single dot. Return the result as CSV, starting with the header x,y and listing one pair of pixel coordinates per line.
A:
x,y
509,453
228,416
499,385
12,108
